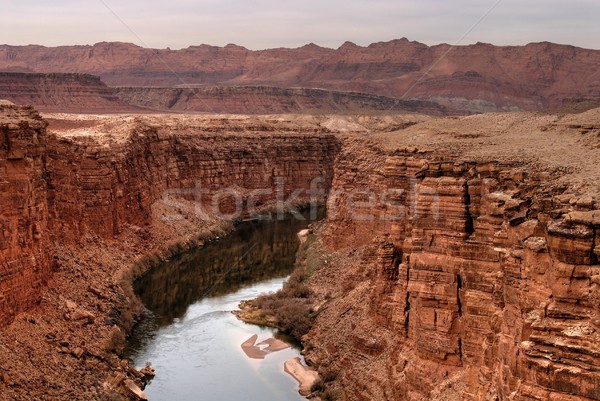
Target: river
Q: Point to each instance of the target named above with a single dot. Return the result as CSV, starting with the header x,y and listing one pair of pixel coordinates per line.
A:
x,y
188,331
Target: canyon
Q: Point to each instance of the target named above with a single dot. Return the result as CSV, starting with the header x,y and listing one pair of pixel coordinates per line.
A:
x,y
473,78
97,200
458,259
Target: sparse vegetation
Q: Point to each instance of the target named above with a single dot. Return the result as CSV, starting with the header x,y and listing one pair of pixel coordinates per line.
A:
x,y
327,374
290,309
329,395
318,387
321,390
322,387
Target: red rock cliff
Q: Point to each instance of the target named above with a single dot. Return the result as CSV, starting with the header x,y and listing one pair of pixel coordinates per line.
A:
x,y
25,257
446,274
104,180
101,195
108,177
471,281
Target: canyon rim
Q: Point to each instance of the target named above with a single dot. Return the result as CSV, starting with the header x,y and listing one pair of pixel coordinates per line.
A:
x,y
458,259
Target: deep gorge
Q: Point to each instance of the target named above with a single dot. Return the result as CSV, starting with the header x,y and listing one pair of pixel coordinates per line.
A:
x,y
189,332
77,186
476,279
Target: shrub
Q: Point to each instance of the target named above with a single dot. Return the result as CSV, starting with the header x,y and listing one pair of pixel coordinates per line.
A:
x,y
320,389
327,374
291,307
329,395
318,386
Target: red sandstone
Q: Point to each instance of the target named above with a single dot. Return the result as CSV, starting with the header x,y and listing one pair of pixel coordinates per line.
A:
x,y
494,297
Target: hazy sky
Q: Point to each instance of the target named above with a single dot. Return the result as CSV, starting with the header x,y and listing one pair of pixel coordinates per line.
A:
x,y
259,24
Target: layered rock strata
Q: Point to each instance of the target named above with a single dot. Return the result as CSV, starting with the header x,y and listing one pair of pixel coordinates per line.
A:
x,y
25,259
100,200
66,92
84,93
104,179
268,100
458,261
105,182
457,280
478,77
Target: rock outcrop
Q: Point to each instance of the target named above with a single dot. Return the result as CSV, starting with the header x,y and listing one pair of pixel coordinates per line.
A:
x,y
453,279
479,77
25,257
107,177
98,197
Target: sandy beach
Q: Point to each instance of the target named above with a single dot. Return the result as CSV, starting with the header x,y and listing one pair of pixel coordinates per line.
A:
x,y
303,374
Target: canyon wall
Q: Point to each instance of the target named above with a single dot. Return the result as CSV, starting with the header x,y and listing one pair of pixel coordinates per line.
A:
x,y
440,278
98,199
25,257
473,281
130,174
226,167
75,93
479,77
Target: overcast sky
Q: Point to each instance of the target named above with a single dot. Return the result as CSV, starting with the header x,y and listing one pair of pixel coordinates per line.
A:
x,y
260,24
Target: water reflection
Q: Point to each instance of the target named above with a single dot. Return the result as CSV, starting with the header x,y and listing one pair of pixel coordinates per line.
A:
x,y
256,251
189,333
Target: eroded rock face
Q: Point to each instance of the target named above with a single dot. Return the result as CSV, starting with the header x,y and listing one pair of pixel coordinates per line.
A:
x,y
226,168
471,273
104,195
25,257
479,77
471,280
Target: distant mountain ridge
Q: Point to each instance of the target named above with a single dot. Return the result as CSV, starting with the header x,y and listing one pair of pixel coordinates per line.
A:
x,y
479,77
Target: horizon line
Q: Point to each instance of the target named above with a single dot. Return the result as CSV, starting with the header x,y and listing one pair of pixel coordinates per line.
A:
x,y
310,44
